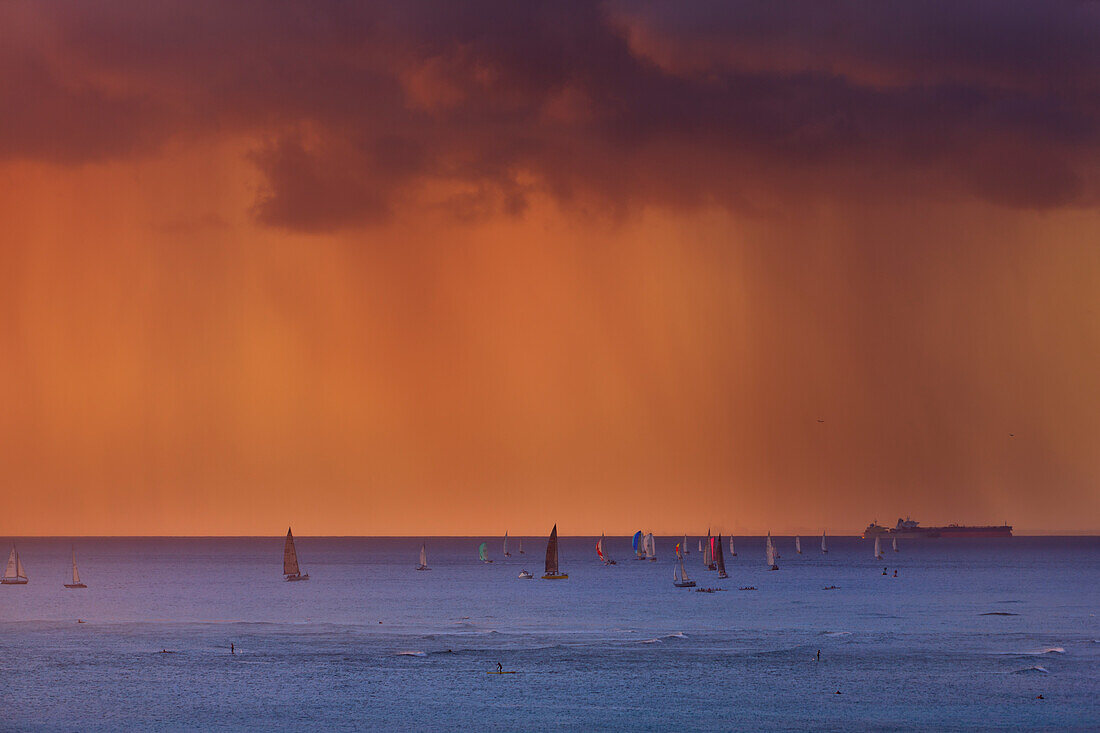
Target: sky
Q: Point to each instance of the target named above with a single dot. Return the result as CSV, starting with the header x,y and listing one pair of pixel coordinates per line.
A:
x,y
431,268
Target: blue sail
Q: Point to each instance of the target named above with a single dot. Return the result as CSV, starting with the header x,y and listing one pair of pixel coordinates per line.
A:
x,y
637,541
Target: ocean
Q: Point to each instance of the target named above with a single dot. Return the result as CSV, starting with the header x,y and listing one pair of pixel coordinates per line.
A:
x,y
967,636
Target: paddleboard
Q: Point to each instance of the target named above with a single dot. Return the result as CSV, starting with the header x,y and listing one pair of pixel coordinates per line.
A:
x,y
505,672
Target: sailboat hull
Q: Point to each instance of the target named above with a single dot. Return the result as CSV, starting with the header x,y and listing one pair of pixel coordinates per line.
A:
x,y
422,567
291,578
75,585
556,576
13,581
688,584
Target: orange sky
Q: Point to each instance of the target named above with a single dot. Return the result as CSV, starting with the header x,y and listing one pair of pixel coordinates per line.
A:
x,y
471,299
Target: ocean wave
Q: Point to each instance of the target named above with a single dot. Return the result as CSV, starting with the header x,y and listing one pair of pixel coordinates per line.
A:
x,y
410,654
836,633
1031,670
1052,650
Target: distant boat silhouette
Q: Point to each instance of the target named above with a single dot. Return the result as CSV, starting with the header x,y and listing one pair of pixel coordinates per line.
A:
x,y
521,547
506,553
291,571
894,540
552,570
733,552
798,545
824,549
423,558
719,558
878,549
76,575
14,573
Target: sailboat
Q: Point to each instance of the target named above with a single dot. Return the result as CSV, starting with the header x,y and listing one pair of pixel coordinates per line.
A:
x,y
733,552
483,553
700,545
894,540
798,545
552,571
636,543
506,553
679,575
290,560
521,547
76,575
878,549
423,558
769,554
599,551
719,559
824,549
708,552
685,546
13,573
650,548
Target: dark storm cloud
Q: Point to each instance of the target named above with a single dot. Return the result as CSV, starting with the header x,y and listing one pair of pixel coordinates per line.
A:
x,y
608,105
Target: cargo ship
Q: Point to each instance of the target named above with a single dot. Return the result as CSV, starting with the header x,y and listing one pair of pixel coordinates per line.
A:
x,y
910,529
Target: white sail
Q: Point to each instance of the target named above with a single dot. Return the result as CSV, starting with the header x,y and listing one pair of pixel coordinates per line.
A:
x,y
505,542
769,552
700,545
895,541
13,563
521,545
423,555
650,546
76,573
732,551
685,545
823,548
798,545
878,549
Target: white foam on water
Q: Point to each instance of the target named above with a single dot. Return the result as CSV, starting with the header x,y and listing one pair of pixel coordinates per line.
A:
x,y
411,654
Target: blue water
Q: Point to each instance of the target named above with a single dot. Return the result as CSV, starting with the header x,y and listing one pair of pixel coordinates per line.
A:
x,y
369,642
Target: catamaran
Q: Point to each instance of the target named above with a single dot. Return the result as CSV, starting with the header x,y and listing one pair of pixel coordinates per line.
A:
x,y
506,553
483,553
824,549
552,570
894,540
719,559
636,543
878,549
650,548
423,558
13,573
76,575
798,545
679,575
291,571
769,553
602,555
